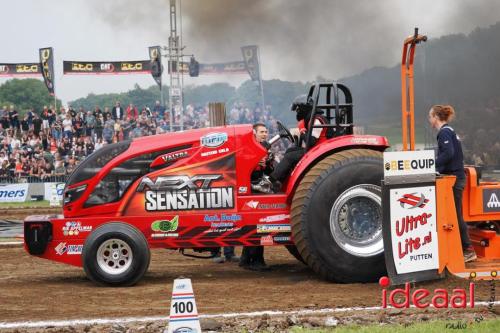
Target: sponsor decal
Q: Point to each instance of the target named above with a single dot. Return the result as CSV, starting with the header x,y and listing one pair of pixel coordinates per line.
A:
x,y
175,156
107,67
413,229
222,217
281,239
261,228
242,189
27,68
413,200
62,248
256,205
165,235
366,141
74,228
404,298
131,66
404,163
214,152
491,200
185,193
266,240
274,218
213,140
82,67
166,225
75,249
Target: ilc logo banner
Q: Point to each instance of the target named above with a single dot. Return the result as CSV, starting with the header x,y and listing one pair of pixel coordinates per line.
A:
x,y
423,298
413,229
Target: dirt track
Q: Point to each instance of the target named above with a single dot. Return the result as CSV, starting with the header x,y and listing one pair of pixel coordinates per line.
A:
x,y
36,289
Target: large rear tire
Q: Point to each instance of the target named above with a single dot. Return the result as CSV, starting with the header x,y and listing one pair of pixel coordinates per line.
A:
x,y
336,217
116,254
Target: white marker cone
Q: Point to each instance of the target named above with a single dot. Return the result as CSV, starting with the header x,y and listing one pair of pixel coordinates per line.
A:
x,y
183,312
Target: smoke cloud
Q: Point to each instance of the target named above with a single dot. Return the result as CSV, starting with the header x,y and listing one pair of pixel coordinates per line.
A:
x,y
299,39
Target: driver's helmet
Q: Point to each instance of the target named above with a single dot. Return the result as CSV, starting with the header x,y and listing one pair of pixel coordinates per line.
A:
x,y
301,106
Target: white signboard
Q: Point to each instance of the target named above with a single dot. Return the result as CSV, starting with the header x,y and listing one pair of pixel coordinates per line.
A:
x,y
183,312
49,189
413,229
13,192
403,163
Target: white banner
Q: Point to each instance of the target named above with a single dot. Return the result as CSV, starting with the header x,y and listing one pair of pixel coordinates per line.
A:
x,y
52,189
403,163
413,229
13,192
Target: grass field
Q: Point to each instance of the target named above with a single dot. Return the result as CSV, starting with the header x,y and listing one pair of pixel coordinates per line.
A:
x,y
430,327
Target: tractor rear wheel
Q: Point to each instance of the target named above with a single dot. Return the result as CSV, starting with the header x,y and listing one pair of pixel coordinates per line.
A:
x,y
336,217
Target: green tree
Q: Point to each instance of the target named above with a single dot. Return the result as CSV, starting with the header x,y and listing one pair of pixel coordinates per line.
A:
x,y
25,94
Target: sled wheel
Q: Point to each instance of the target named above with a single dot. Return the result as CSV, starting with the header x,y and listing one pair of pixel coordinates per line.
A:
x,y
116,254
336,217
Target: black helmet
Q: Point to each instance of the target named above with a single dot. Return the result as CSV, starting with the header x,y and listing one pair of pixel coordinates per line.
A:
x,y
302,106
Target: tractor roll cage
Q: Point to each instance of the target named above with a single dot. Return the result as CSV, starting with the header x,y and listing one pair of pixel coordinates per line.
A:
x,y
342,115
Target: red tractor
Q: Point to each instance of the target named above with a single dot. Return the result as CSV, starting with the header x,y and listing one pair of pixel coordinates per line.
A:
x,y
192,190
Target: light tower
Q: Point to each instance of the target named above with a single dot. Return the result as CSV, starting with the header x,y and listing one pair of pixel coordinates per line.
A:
x,y
175,104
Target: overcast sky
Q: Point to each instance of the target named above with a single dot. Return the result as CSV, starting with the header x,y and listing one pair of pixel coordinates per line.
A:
x,y
298,39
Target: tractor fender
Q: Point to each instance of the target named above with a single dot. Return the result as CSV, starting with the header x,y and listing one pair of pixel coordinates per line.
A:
x,y
318,152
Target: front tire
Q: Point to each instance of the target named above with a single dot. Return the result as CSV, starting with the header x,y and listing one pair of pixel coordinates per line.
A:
x,y
116,254
336,217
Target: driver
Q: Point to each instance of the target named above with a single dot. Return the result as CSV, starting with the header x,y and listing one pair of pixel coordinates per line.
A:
x,y
303,109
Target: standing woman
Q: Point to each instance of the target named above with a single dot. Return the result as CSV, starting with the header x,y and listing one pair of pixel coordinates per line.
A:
x,y
450,161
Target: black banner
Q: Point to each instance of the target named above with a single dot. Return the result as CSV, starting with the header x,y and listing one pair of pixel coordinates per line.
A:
x,y
47,64
24,69
155,63
107,67
234,67
251,59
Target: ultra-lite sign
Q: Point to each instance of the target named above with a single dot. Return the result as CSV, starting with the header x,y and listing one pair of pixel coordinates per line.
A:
x,y
413,229
404,163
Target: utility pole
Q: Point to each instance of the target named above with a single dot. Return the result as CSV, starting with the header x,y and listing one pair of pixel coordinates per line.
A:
x,y
175,103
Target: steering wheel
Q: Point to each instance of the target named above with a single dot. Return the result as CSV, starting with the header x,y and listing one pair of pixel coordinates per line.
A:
x,y
284,132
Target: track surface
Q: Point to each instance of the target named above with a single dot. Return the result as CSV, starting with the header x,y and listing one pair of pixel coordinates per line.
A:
x,y
37,289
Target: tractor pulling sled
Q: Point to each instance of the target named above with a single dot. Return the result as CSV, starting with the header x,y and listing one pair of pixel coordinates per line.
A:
x,y
192,190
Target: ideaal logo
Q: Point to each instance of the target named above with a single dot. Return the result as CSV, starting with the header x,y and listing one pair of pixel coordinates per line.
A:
x,y
403,298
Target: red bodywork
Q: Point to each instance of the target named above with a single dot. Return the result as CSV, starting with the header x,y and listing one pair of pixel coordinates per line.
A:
x,y
244,218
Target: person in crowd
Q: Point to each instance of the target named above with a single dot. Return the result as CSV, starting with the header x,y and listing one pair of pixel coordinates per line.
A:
x,y
117,112
132,112
450,161
68,126
90,121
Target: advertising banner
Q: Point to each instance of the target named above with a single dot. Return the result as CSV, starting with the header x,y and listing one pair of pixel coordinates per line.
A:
x,y
13,192
106,67
47,64
233,67
413,229
156,67
409,163
17,70
52,190
251,59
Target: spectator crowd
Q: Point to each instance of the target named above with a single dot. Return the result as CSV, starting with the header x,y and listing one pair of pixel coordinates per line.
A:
x,y
47,145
